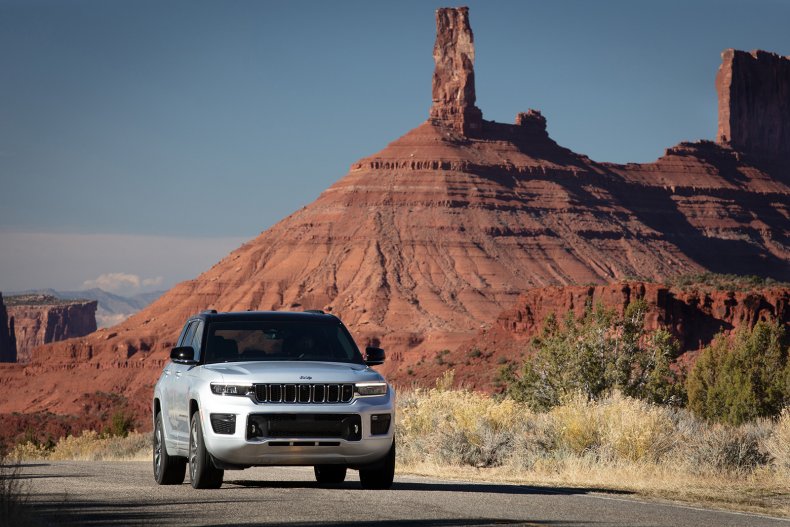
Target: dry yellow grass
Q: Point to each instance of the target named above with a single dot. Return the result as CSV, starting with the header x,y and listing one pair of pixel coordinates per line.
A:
x,y
614,444
89,446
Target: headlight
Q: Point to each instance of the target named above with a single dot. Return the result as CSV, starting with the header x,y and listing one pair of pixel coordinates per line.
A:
x,y
370,388
232,389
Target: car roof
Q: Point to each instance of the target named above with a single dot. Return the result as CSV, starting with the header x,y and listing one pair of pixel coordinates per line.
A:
x,y
251,316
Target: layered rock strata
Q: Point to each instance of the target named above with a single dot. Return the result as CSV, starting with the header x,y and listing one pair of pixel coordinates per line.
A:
x,y
39,319
754,101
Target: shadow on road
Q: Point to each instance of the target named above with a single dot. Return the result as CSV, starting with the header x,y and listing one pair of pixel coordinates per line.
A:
x,y
57,510
83,512
439,522
482,488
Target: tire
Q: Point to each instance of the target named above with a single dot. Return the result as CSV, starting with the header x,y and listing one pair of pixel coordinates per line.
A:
x,y
382,476
328,474
168,470
202,472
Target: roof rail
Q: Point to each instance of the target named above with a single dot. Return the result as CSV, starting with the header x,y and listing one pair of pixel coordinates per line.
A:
x,y
315,311
212,311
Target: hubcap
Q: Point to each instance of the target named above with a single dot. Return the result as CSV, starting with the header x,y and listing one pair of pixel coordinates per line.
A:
x,y
157,451
193,449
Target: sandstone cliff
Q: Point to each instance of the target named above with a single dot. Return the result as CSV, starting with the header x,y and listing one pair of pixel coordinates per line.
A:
x,y
40,319
754,101
7,341
693,314
424,242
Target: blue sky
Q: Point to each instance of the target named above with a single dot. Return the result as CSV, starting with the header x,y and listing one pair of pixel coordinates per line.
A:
x,y
207,122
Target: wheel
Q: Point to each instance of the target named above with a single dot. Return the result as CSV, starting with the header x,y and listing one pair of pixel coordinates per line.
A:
x,y
168,470
330,473
380,477
202,472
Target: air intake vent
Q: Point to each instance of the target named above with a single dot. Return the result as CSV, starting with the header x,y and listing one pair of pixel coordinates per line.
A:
x,y
297,426
304,393
223,423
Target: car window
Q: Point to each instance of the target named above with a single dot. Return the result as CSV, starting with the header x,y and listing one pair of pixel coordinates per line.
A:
x,y
190,333
197,339
279,341
180,341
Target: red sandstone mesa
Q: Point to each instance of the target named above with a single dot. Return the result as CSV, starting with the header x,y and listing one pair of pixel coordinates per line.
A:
x,y
424,242
49,321
754,101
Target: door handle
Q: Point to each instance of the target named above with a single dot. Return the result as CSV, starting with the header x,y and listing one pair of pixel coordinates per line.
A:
x,y
167,372
178,374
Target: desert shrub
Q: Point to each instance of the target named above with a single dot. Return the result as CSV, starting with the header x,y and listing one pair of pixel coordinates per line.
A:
x,y
617,428
121,423
778,443
634,430
14,508
595,355
742,377
457,427
724,448
577,427
89,446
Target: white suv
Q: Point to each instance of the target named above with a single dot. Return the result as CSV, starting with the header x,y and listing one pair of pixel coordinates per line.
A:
x,y
272,388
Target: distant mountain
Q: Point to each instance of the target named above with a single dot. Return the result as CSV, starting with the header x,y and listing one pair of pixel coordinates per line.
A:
x,y
113,309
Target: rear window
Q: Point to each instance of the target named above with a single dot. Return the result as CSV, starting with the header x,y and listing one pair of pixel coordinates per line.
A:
x,y
279,341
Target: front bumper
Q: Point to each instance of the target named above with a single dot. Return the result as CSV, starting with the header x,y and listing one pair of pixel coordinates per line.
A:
x,y
240,449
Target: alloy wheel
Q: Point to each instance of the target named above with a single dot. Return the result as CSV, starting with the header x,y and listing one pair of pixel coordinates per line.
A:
x,y
158,452
193,449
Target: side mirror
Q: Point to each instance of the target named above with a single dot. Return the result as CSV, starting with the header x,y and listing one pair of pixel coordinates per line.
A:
x,y
374,356
183,355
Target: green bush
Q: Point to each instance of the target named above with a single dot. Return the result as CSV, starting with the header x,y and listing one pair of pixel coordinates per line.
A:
x,y
121,423
594,355
742,377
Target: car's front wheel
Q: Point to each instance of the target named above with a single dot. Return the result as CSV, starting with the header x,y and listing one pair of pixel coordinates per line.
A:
x,y
382,476
330,473
202,472
168,470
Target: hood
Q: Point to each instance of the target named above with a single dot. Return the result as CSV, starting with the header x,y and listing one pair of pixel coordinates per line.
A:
x,y
287,372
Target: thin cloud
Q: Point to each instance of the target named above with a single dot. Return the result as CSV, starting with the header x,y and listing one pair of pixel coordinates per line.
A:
x,y
122,283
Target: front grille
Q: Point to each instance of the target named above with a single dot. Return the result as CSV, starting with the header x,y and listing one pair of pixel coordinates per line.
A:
x,y
223,423
336,426
304,393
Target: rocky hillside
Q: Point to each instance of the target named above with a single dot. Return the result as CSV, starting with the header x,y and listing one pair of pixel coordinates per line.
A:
x,y
424,242
41,319
692,313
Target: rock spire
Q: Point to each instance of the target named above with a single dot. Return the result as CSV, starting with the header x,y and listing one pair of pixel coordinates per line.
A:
x,y
754,101
454,75
7,340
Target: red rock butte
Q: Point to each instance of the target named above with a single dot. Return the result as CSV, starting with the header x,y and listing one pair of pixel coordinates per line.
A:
x,y
424,242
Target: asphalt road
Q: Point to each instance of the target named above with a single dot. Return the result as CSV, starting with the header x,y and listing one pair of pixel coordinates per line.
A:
x,y
114,493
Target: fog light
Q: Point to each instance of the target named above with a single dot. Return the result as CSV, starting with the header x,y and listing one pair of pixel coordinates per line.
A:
x,y
254,429
223,423
380,423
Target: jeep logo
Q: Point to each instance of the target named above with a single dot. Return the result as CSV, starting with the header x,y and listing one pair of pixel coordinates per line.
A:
x,y
307,377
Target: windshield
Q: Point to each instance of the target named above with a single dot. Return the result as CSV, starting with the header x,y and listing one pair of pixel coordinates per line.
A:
x,y
279,341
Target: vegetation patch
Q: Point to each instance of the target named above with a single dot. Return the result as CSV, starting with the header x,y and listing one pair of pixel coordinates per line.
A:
x,y
614,442
725,282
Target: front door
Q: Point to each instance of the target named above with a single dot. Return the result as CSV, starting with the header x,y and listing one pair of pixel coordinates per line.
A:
x,y
182,381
